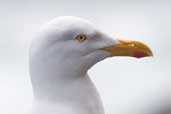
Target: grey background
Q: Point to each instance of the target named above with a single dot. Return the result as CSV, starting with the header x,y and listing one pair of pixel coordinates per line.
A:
x,y
126,85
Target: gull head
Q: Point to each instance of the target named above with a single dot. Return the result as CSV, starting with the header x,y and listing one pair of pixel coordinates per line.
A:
x,y
71,44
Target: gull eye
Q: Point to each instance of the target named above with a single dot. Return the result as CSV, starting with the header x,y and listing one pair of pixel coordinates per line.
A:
x,y
81,38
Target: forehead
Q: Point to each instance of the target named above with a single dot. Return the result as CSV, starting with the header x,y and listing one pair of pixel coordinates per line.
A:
x,y
68,27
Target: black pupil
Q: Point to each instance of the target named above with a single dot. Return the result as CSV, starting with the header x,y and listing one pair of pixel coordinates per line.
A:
x,y
82,37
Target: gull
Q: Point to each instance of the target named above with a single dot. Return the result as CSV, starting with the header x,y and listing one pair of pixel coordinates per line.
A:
x,y
60,55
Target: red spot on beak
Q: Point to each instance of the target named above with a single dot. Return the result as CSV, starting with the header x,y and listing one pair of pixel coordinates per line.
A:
x,y
139,54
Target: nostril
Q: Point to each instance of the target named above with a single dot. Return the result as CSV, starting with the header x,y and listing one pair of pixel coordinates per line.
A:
x,y
132,45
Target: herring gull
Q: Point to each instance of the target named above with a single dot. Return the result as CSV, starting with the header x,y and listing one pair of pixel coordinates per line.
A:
x,y
60,56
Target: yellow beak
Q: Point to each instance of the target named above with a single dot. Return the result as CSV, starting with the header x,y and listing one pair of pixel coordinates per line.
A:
x,y
129,48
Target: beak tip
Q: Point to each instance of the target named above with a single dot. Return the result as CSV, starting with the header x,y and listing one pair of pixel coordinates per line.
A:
x,y
139,55
143,53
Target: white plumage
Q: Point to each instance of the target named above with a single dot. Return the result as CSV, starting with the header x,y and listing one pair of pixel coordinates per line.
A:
x,y
59,64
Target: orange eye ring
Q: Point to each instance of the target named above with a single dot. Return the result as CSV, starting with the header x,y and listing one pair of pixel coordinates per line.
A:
x,y
81,38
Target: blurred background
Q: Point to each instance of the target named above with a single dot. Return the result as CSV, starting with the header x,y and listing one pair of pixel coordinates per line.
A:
x,y
126,85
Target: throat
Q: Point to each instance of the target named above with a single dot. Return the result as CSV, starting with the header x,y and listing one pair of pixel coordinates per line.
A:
x,y
79,93
62,90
